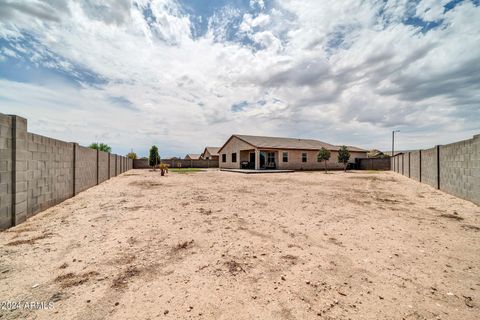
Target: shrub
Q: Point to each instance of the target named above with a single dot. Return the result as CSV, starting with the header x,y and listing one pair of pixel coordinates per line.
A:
x,y
132,155
324,156
343,156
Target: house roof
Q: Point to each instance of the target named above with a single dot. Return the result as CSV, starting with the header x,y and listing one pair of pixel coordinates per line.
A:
x,y
288,143
193,156
212,150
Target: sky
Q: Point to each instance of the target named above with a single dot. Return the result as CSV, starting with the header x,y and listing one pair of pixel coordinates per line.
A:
x,y
189,73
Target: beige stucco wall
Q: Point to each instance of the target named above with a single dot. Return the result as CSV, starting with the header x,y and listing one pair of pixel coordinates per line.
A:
x,y
234,145
295,160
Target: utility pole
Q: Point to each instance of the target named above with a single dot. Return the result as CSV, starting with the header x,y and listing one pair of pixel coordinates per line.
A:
x,y
393,147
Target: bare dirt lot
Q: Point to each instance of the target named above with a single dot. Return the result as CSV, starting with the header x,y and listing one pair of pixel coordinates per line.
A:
x,y
221,245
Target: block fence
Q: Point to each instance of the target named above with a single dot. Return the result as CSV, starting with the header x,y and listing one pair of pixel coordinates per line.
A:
x,y
453,168
178,163
38,172
373,163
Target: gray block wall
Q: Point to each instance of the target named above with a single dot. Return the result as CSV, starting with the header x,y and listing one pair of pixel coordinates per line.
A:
x,y
453,168
6,167
415,165
460,169
429,167
85,172
38,172
49,173
112,165
406,164
103,166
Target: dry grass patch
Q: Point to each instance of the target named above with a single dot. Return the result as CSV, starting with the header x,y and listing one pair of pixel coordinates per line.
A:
x,y
121,281
29,241
146,184
71,279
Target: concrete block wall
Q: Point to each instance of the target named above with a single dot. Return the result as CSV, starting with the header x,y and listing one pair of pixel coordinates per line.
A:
x,y
49,173
406,164
38,172
103,164
453,168
415,165
460,169
429,167
112,165
6,168
85,172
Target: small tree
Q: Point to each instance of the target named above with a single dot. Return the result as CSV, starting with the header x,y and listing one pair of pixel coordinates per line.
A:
x,y
154,157
100,147
132,155
324,156
343,156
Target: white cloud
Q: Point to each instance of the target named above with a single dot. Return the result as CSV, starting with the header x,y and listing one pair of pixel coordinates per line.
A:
x,y
323,70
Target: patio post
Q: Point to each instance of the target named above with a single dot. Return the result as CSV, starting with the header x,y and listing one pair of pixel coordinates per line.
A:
x,y
257,159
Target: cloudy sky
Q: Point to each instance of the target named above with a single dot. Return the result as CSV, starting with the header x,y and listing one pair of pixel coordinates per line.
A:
x,y
189,73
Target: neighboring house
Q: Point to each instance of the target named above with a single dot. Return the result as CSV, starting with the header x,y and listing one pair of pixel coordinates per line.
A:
x,y
192,156
210,153
256,152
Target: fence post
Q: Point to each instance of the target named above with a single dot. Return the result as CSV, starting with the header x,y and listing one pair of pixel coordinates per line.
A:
x,y
98,165
403,163
19,166
438,167
420,165
109,165
74,167
409,170
116,165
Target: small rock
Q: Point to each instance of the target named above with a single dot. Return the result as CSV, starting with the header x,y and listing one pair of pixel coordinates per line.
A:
x,y
165,312
283,278
381,298
35,285
117,303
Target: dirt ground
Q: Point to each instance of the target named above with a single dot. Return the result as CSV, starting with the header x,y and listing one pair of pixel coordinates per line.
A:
x,y
222,245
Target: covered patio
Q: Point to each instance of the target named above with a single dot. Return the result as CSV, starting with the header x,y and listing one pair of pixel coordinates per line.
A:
x,y
258,159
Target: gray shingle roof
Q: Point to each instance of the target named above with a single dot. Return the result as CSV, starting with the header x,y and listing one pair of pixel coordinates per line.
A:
x,y
289,143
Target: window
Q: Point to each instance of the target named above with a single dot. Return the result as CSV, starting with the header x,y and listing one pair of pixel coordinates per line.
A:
x,y
285,157
234,157
224,158
304,157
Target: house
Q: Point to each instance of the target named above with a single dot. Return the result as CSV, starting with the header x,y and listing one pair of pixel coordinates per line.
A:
x,y
210,153
192,156
257,152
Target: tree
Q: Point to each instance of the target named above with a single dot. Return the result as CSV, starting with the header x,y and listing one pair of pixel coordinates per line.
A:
x,y
343,156
100,147
154,157
324,156
132,155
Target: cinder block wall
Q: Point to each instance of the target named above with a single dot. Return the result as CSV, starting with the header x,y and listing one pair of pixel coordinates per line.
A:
x,y
460,169
103,166
5,171
415,165
429,167
49,173
453,168
112,165
85,168
38,172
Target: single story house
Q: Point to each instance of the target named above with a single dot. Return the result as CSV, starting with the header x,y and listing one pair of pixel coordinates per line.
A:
x,y
192,156
257,152
210,153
